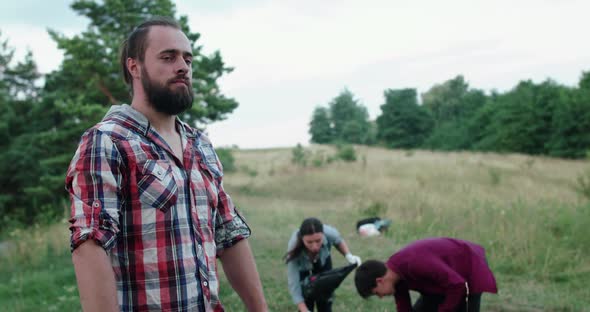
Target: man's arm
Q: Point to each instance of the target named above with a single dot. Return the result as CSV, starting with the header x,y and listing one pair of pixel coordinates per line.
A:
x,y
96,280
403,301
240,269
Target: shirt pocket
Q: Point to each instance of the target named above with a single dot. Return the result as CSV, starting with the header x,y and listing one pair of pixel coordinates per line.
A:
x,y
209,161
156,185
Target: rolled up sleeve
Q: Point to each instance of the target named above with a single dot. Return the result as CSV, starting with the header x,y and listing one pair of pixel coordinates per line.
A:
x,y
93,182
230,226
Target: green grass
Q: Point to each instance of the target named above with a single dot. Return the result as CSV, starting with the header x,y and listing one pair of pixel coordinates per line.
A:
x,y
534,225
36,270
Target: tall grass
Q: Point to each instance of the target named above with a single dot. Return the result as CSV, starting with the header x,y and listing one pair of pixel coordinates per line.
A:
x,y
523,210
36,272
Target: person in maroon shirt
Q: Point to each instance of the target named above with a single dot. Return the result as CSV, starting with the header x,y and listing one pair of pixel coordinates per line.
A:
x,y
450,275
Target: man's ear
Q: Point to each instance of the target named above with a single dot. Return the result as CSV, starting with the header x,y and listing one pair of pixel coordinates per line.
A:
x,y
133,67
379,280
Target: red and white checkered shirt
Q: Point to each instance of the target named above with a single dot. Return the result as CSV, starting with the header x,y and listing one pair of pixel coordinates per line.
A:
x,y
161,220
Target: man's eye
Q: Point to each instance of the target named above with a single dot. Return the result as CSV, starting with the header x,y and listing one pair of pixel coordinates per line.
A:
x,y
188,61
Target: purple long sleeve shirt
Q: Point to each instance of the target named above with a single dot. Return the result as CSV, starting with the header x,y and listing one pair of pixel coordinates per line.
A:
x,y
441,266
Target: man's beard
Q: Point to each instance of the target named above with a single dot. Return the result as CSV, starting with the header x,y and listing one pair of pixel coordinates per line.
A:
x,y
163,99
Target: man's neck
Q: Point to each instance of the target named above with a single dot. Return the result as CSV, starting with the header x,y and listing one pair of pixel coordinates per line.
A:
x,y
162,123
392,277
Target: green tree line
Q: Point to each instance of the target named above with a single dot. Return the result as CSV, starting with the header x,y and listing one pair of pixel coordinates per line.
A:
x,y
43,116
533,118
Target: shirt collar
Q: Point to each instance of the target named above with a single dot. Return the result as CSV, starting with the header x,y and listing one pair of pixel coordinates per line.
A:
x,y
139,121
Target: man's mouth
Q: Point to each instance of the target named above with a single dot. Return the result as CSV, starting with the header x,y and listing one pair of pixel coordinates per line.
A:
x,y
180,81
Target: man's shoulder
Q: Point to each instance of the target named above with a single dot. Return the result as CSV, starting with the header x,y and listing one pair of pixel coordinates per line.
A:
x,y
121,122
111,128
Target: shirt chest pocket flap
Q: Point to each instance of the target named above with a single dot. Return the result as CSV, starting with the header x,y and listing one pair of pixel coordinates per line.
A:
x,y
156,185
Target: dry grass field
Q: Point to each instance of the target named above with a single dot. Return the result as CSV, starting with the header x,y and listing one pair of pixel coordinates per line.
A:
x,y
526,211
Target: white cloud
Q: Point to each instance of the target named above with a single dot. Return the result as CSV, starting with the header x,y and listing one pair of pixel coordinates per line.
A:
x,y
270,133
37,40
291,40
292,55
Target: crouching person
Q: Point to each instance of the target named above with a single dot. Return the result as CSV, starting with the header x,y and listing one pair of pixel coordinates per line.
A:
x,y
450,275
309,253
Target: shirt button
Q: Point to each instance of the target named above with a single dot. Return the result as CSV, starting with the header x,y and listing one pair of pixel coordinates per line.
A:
x,y
95,204
205,283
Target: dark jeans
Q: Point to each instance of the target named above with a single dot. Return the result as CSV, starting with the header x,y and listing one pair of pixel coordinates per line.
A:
x,y
429,303
322,304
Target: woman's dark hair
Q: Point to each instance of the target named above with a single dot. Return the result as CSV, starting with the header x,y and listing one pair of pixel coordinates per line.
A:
x,y
308,226
136,43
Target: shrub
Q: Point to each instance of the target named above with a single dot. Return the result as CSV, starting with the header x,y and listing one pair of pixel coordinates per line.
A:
x,y
529,163
319,159
375,209
583,184
227,159
299,155
494,176
346,152
249,171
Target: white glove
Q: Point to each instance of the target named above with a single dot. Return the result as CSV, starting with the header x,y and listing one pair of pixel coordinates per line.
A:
x,y
353,259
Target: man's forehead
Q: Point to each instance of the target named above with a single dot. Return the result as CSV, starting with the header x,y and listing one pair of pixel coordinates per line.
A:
x,y
165,38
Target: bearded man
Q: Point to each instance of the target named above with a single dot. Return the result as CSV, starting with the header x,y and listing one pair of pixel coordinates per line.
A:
x,y
149,214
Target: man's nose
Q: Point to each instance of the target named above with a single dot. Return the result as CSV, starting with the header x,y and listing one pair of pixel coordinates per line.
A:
x,y
183,67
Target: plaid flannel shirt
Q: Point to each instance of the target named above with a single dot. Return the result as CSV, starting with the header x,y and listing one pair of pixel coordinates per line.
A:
x,y
161,221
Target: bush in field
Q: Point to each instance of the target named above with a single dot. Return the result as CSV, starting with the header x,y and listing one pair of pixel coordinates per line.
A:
x,y
249,171
318,159
299,155
375,209
227,159
346,152
583,184
494,176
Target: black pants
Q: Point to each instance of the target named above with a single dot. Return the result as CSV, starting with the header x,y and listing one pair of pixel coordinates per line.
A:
x,y
429,303
322,304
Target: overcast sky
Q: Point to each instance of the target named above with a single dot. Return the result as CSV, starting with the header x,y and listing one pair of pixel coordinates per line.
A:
x,y
291,56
